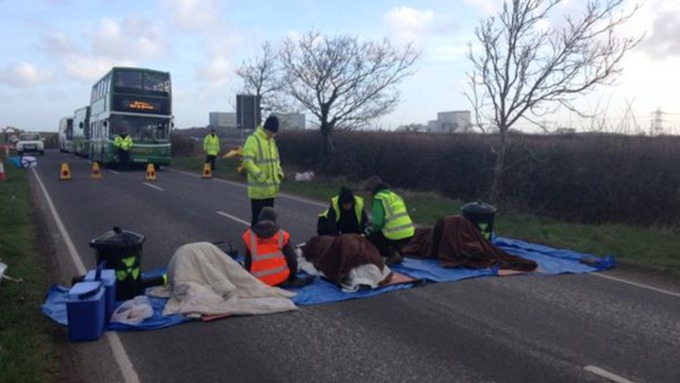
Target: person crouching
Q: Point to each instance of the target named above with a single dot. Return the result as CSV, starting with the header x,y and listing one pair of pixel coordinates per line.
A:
x,y
270,256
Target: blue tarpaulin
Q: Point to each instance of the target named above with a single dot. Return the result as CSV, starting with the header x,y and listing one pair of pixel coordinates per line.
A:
x,y
551,261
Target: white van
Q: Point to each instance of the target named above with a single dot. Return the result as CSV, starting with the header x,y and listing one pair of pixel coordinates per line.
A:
x,y
66,135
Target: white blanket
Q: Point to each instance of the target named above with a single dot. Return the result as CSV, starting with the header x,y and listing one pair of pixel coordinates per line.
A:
x,y
204,280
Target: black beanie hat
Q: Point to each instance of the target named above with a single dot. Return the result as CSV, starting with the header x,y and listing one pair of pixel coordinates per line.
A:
x,y
346,196
272,124
267,214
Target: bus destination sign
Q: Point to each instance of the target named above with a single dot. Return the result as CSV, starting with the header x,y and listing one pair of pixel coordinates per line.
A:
x,y
141,105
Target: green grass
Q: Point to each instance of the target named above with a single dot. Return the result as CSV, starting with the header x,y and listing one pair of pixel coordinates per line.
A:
x,y
26,346
640,247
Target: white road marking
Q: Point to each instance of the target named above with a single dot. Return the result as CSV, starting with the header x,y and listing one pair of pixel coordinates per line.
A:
x,y
154,186
239,220
658,290
606,374
243,186
114,172
122,358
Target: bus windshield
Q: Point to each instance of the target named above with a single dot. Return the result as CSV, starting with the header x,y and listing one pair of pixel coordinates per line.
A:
x,y
145,81
153,129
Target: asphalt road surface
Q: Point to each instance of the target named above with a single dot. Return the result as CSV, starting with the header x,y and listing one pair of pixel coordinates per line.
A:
x,y
566,328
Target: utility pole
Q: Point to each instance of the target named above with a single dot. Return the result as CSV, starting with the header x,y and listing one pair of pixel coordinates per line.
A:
x,y
656,127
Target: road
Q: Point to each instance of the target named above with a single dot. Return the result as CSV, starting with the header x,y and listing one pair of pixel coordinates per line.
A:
x,y
566,328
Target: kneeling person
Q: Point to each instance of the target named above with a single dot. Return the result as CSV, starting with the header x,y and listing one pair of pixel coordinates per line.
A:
x,y
345,215
391,226
270,256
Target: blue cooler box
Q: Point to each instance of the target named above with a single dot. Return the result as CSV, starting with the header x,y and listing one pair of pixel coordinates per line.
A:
x,y
108,278
85,309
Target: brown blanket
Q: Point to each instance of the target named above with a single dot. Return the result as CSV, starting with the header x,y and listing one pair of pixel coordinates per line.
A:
x,y
337,255
457,242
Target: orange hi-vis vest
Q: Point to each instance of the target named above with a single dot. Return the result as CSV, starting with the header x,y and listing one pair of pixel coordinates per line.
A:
x,y
268,263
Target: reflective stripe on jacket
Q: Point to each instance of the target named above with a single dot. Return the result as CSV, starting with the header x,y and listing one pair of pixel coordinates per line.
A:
x,y
211,145
268,263
123,143
261,161
358,208
398,224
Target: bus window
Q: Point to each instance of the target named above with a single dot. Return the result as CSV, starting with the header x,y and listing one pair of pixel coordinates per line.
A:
x,y
156,82
128,79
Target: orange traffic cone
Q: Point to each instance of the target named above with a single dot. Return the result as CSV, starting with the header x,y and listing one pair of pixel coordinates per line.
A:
x,y
3,177
65,173
150,172
207,172
96,173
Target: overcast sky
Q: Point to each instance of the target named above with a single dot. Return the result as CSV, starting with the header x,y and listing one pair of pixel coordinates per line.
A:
x,y
54,50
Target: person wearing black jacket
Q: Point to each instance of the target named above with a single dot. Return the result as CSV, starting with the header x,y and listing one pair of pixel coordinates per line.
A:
x,y
345,215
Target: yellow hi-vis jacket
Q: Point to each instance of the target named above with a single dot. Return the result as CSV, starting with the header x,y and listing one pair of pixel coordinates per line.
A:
x,y
211,145
123,143
261,161
358,208
398,224
268,263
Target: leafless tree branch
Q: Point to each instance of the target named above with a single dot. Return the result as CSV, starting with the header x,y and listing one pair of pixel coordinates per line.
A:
x,y
527,68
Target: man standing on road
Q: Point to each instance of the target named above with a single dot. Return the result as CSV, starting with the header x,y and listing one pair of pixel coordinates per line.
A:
x,y
123,142
261,161
211,147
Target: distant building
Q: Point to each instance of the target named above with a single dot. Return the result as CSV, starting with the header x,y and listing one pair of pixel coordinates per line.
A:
x,y
296,121
459,121
292,121
222,119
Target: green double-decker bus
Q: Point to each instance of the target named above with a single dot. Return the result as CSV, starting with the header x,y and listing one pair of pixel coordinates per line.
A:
x,y
135,101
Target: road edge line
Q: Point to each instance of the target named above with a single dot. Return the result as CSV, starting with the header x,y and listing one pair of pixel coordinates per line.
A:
x,y
656,289
124,363
606,374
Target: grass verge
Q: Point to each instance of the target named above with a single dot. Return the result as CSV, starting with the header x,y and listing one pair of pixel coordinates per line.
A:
x,y
26,348
640,247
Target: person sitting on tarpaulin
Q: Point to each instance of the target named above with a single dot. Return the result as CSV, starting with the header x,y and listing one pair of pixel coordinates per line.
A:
x,y
270,255
345,215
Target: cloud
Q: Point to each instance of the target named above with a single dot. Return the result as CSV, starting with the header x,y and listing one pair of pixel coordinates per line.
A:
x,y
408,24
132,39
486,7
663,41
90,68
25,75
203,19
193,15
57,43
111,43
217,72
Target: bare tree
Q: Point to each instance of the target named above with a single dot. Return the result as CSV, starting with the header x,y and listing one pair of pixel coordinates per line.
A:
x,y
525,68
344,83
262,78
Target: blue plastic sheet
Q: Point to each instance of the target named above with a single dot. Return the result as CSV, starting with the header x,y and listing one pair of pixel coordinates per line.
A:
x,y
23,161
55,308
323,291
555,261
551,261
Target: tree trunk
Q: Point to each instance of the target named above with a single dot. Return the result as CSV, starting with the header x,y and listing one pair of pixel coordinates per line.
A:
x,y
326,146
498,169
